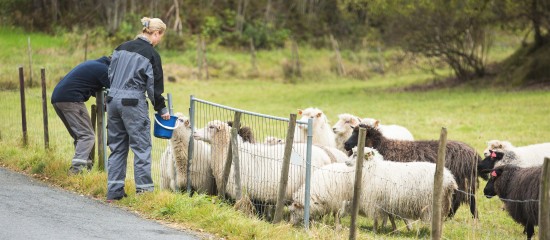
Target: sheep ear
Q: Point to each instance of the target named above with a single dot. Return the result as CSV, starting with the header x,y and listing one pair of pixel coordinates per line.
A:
x,y
300,111
319,115
376,123
187,123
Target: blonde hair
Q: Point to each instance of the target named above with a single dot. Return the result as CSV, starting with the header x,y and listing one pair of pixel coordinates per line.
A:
x,y
150,25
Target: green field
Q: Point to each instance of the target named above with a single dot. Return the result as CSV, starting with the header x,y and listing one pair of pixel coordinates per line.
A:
x,y
472,114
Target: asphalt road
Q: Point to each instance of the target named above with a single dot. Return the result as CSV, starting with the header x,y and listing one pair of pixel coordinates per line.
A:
x,y
30,209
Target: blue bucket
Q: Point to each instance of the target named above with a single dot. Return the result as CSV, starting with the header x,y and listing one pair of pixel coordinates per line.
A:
x,y
164,128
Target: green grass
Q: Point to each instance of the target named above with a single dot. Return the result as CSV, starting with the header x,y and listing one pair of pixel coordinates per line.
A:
x,y
471,114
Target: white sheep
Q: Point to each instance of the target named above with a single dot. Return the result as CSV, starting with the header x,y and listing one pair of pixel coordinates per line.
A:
x,y
175,157
346,122
343,129
395,132
530,155
260,164
401,189
322,132
271,140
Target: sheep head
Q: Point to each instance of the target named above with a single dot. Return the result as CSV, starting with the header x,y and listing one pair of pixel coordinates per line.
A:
x,y
489,189
497,145
489,163
370,154
346,123
183,128
373,138
314,113
214,132
375,123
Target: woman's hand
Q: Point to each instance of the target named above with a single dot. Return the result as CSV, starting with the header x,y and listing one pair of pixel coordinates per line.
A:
x,y
165,116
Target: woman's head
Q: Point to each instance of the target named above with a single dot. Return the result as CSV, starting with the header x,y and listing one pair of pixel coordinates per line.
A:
x,y
153,28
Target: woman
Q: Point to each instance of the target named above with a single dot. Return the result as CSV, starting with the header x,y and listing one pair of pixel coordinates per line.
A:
x,y
135,68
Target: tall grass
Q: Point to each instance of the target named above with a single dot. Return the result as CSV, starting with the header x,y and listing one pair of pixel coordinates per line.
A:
x,y
470,114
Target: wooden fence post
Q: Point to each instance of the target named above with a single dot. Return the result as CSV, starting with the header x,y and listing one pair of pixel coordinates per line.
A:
x,y
23,106
94,126
358,180
438,186
283,181
100,96
544,201
30,60
230,158
45,109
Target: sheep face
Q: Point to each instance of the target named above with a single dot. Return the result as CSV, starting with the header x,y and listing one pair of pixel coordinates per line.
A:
x,y
496,145
209,132
183,125
316,208
372,139
314,113
346,123
296,213
371,154
489,189
489,163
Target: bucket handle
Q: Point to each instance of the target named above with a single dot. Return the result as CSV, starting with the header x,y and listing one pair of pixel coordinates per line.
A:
x,y
166,127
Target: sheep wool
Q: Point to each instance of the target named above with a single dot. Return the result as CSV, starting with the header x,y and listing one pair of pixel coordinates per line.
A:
x,y
460,158
175,158
517,188
322,132
260,164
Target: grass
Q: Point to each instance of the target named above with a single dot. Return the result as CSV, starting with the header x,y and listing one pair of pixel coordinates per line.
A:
x,y
471,114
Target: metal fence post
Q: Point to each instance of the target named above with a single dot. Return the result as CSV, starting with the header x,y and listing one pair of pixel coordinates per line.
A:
x,y
308,173
191,144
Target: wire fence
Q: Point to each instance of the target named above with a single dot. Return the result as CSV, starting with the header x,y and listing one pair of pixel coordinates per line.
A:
x,y
260,156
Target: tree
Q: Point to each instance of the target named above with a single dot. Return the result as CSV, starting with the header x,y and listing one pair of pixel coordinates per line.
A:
x,y
451,30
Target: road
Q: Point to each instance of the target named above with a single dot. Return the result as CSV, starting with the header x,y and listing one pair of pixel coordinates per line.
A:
x,y
30,209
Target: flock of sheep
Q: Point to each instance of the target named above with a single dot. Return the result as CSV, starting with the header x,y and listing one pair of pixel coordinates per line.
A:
x,y
395,182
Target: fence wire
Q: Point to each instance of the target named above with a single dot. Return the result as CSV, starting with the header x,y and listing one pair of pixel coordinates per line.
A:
x,y
259,164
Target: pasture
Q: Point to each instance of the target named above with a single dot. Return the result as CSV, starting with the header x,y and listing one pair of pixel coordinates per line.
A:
x,y
471,114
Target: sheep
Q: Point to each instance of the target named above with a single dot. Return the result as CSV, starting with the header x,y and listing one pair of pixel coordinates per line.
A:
x,y
343,129
460,158
346,122
245,132
322,132
496,159
273,140
531,155
517,188
175,156
396,188
394,132
258,161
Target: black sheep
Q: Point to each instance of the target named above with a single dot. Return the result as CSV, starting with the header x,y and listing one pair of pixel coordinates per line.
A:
x,y
245,132
517,188
460,159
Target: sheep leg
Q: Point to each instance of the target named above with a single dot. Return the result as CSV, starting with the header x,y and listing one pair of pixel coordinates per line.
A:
x,y
530,230
337,224
384,220
455,205
408,224
473,208
375,227
392,220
